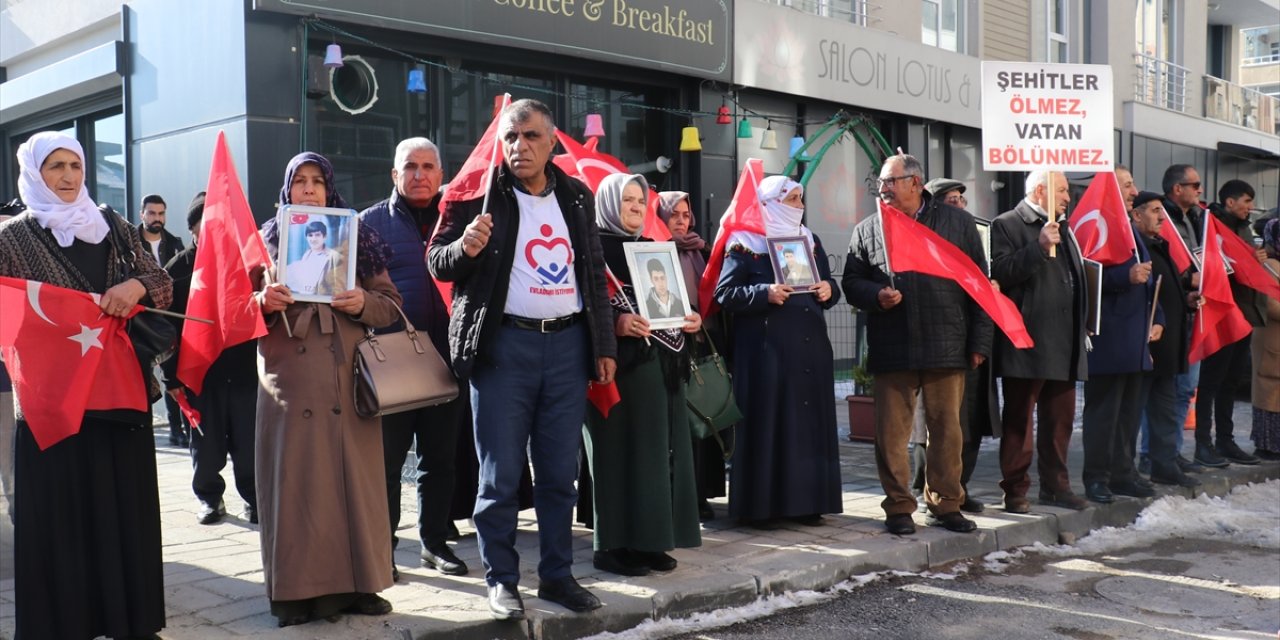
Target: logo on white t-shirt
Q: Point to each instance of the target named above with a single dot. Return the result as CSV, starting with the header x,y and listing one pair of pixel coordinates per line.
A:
x,y
550,257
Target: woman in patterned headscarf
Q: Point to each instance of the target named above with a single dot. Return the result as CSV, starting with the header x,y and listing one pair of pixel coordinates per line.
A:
x,y
86,510
322,500
1266,360
641,455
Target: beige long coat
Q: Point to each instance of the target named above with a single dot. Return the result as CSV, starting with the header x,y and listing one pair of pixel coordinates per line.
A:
x,y
322,496
1266,355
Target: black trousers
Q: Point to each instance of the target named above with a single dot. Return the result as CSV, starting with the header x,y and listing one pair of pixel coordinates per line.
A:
x,y
1112,410
1215,397
435,432
228,414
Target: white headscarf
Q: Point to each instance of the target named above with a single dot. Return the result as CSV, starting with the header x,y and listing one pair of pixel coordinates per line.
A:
x,y
780,220
609,202
66,220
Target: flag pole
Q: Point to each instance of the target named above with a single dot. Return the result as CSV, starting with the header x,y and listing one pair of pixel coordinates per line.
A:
x,y
1052,210
493,157
174,314
1204,246
883,243
617,284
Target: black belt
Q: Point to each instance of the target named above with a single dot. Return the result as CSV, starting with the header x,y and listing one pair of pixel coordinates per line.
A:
x,y
544,325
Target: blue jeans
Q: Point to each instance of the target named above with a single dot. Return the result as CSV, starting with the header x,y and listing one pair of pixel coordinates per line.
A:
x,y
1185,387
531,393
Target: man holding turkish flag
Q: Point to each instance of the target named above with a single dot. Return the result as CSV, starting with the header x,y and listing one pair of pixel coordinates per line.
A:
x,y
1101,224
915,279
1220,322
221,289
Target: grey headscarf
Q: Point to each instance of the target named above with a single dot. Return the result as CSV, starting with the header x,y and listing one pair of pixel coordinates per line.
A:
x,y
609,202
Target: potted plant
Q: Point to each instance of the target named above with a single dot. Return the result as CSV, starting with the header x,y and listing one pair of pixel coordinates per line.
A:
x,y
862,407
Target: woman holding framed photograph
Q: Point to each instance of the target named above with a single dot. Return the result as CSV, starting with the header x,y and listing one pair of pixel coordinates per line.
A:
x,y
641,455
787,465
322,496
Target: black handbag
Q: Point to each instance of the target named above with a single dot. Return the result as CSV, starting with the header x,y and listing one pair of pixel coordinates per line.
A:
x,y
154,337
709,394
400,371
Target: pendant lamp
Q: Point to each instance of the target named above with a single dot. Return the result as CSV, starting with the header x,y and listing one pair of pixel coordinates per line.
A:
x,y
689,139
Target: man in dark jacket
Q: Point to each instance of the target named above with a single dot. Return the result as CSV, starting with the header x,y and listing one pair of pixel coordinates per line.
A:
x,y
1220,372
531,326
1116,364
1182,189
923,334
226,403
1169,353
405,220
1050,291
163,246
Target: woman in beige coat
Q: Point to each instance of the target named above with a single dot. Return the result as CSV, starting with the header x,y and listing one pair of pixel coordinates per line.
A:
x,y
322,497
1266,361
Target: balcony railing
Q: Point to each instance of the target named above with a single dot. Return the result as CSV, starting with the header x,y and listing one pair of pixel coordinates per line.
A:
x,y
1160,83
855,11
1242,106
1270,58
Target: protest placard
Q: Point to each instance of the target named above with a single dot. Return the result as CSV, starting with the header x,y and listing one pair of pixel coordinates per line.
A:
x,y
1047,116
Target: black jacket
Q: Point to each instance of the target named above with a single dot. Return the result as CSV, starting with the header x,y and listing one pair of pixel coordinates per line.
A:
x,y
1042,288
480,283
1169,353
1252,303
170,245
1189,224
238,364
937,325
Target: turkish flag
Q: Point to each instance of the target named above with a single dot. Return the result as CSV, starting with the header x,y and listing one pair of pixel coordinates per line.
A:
x,y
1100,223
188,411
912,246
473,179
1244,261
1220,322
1178,251
230,248
604,396
584,162
65,356
743,214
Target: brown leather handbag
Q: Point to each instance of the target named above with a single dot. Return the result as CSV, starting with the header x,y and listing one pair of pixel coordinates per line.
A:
x,y
400,371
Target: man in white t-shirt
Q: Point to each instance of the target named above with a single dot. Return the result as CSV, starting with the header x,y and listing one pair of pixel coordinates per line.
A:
x,y
531,326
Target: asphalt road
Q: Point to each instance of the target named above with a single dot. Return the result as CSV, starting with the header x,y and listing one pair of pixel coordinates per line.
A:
x,y
1171,589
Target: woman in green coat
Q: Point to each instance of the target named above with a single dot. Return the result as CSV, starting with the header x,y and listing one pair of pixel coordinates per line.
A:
x,y
641,456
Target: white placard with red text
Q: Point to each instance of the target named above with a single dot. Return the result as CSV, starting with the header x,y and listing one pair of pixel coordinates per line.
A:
x,y
1047,116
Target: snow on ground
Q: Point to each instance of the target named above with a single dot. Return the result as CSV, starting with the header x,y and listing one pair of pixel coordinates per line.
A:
x,y
1249,515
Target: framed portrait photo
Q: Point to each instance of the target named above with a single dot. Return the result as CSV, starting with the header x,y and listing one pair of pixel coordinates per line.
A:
x,y
317,251
659,284
793,264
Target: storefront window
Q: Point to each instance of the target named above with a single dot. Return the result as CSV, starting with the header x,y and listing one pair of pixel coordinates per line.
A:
x,y
942,24
633,134
107,165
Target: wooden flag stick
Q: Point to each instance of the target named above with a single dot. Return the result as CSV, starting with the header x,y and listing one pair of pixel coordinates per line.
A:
x,y
175,314
1052,211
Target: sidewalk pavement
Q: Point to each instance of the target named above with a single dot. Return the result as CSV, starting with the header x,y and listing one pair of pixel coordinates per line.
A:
x,y
214,583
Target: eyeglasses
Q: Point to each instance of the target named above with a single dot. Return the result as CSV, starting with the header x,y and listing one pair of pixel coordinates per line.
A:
x,y
956,200
1193,185
889,181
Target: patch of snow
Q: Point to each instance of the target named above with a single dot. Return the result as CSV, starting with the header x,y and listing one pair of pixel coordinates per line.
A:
x,y
998,561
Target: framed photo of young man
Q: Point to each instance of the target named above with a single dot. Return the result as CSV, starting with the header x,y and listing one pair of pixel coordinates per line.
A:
x,y
317,251
792,259
660,293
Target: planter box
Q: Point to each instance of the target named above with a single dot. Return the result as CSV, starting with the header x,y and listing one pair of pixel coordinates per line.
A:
x,y
862,418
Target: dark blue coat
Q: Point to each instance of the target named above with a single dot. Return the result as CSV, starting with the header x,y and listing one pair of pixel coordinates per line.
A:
x,y
1121,344
392,219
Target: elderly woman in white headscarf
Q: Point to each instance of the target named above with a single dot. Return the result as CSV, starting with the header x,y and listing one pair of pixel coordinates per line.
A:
x,y
641,455
786,465
87,559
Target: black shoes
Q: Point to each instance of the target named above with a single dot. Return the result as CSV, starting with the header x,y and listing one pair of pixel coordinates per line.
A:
x,y
952,522
1189,466
505,602
441,558
369,604
1099,492
1208,456
620,562
211,514
971,505
1266,454
1233,453
1067,500
1144,464
250,514
655,560
705,512
1173,476
811,520
567,593
900,524
1132,489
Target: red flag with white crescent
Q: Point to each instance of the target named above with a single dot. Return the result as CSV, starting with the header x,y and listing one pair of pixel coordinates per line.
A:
x,y
65,356
584,162
1100,223
1219,322
1243,261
